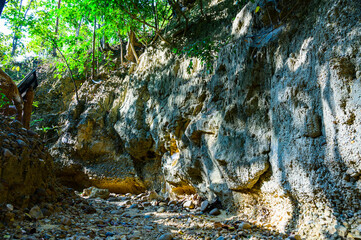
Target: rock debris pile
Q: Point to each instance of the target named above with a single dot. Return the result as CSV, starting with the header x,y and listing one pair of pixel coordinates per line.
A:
x,y
25,166
143,216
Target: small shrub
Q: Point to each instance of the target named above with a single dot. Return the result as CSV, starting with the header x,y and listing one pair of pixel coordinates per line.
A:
x,y
206,50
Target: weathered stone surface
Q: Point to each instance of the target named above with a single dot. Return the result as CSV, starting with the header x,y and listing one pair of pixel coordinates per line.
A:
x,y
275,130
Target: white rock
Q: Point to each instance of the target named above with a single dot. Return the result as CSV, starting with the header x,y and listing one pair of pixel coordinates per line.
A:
x,y
188,204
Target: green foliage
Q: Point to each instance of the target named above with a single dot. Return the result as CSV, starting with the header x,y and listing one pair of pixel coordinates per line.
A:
x,y
45,129
36,104
33,122
5,49
206,50
4,101
69,27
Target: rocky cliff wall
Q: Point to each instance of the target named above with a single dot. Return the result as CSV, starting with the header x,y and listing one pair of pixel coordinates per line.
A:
x,y
274,132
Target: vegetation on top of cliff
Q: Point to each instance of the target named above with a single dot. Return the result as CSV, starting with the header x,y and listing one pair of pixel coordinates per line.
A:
x,y
82,36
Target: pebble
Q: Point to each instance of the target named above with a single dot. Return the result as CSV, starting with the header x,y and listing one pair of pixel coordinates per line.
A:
x,y
188,204
295,237
21,143
172,202
66,221
244,225
166,236
204,205
9,207
134,205
7,153
94,192
161,210
215,212
36,213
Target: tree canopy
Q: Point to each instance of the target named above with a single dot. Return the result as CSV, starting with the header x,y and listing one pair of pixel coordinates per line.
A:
x,y
70,27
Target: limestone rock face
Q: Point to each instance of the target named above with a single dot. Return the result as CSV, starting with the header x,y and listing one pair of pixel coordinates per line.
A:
x,y
274,131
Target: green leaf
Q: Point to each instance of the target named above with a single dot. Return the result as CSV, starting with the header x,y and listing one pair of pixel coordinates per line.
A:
x,y
257,9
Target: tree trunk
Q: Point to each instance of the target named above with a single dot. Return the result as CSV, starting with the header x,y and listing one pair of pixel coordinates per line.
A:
x,y
155,15
78,28
121,48
71,73
178,11
2,4
97,57
121,52
201,7
93,67
133,50
15,38
56,28
102,40
28,106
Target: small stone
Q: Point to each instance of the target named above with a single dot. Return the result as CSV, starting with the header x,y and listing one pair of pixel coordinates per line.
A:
x,y
66,221
148,227
166,236
134,205
109,234
32,133
36,213
21,143
204,205
188,204
97,192
220,238
172,203
136,234
7,153
244,225
146,204
341,230
9,207
346,224
215,212
294,237
161,210
112,199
